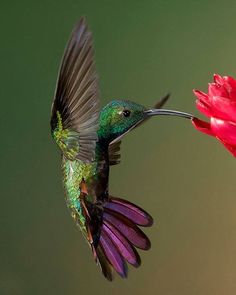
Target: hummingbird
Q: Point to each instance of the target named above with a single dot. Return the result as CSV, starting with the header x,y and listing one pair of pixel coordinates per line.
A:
x,y
89,139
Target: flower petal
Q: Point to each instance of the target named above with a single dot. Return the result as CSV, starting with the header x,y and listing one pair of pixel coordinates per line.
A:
x,y
230,86
203,97
224,130
218,79
223,108
215,89
202,126
230,80
203,108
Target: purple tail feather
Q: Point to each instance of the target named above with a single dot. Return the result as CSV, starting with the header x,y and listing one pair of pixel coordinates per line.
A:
x,y
120,235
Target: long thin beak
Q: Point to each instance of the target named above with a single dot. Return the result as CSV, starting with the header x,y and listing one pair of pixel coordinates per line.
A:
x,y
156,112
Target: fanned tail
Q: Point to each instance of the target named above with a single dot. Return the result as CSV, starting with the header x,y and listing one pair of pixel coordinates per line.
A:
x,y
120,235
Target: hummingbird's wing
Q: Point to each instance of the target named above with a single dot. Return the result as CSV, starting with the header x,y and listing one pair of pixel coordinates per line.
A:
x,y
114,147
75,109
114,153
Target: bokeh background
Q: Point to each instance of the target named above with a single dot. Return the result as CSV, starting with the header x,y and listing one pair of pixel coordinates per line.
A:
x,y
185,179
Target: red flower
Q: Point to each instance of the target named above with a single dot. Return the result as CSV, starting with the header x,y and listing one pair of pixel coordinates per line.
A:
x,y
220,106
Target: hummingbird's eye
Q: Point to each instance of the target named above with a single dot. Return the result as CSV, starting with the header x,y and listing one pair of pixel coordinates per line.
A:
x,y
126,113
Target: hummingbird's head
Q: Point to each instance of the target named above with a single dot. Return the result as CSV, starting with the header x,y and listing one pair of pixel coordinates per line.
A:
x,y
120,116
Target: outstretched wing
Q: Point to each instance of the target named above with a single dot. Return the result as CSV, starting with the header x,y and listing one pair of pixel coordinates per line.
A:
x,y
114,147
75,109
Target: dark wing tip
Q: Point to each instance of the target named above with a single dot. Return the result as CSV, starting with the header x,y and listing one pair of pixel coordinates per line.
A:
x,y
161,102
82,20
80,24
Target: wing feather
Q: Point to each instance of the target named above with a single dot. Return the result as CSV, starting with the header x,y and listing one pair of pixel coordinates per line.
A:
x,y
76,105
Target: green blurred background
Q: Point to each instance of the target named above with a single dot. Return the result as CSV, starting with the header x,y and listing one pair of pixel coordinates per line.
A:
x,y
186,180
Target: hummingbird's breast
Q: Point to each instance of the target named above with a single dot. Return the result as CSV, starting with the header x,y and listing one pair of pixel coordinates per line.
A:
x,y
84,182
